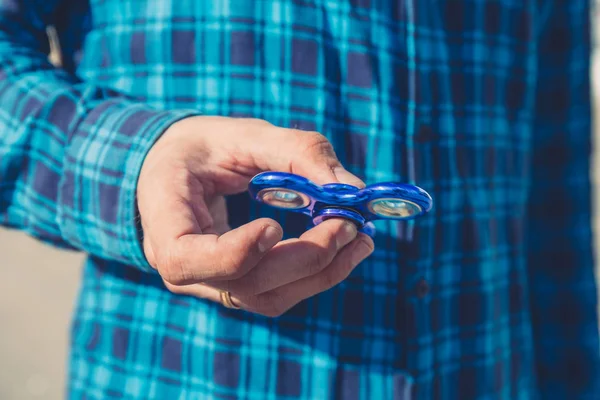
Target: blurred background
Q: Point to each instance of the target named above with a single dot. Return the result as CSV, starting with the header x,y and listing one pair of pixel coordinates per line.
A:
x,y
39,285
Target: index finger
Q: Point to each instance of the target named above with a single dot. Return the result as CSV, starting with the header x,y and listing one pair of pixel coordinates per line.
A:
x,y
308,154
196,258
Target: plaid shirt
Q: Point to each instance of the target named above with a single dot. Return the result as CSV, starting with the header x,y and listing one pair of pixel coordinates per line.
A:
x,y
485,104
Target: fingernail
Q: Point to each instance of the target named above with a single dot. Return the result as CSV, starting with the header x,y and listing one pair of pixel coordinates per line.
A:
x,y
347,234
363,249
269,238
346,177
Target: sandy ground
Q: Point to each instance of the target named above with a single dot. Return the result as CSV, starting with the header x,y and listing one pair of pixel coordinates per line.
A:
x,y
37,290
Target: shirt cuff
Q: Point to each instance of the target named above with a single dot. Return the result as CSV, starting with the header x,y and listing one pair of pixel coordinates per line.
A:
x,y
97,194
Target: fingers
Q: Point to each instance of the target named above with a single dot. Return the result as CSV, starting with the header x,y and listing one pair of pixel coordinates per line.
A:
x,y
196,290
316,160
183,234
309,154
197,258
275,302
294,259
344,176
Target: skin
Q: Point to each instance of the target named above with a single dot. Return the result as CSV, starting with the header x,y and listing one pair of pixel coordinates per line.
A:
x,y
186,235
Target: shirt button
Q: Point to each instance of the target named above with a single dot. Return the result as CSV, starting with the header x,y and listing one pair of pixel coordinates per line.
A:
x,y
422,288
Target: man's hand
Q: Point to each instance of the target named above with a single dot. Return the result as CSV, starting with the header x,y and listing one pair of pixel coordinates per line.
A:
x,y
184,219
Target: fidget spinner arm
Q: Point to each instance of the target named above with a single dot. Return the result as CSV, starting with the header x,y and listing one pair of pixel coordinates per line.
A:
x,y
388,200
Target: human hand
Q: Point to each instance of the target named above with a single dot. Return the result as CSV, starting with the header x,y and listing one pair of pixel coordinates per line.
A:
x,y
186,236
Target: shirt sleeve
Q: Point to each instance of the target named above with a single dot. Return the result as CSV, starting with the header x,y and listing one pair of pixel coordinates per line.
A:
x,y
561,262
70,151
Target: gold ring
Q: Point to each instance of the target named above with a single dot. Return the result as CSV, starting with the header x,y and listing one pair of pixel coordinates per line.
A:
x,y
226,300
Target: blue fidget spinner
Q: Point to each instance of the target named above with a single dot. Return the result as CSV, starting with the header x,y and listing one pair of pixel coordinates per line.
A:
x,y
388,200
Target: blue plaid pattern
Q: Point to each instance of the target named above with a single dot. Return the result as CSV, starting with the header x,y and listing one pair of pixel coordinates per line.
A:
x,y
485,104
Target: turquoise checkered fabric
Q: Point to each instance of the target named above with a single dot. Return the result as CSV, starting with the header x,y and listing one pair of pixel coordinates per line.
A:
x,y
483,103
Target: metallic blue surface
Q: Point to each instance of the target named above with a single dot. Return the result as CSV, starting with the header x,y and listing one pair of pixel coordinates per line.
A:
x,y
337,200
